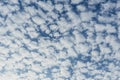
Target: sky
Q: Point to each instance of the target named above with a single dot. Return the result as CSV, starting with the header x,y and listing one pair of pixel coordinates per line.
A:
x,y
59,39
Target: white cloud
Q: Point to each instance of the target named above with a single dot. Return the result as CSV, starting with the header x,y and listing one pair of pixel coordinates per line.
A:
x,y
38,20
81,8
106,19
100,38
4,10
110,29
82,48
86,16
46,79
79,37
64,72
59,7
76,1
80,64
95,54
71,52
100,27
45,6
9,76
